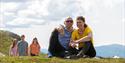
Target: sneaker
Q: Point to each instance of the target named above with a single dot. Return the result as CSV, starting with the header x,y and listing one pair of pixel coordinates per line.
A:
x,y
85,56
67,57
71,57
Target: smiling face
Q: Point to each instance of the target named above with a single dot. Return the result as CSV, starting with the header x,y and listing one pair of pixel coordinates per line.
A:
x,y
68,22
80,24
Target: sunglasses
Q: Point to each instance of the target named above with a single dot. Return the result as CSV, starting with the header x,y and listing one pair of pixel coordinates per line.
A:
x,y
71,21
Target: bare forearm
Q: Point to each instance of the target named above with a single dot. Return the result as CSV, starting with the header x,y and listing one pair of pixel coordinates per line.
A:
x,y
86,38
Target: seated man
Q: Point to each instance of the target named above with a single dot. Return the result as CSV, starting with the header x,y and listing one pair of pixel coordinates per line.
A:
x,y
60,38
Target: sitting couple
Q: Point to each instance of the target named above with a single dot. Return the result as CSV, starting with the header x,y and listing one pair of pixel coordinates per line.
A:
x,y
66,42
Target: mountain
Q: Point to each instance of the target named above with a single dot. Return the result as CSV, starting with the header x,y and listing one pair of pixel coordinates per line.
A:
x,y
44,51
111,50
6,38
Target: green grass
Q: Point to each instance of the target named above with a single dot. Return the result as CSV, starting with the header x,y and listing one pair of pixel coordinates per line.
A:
x,y
43,59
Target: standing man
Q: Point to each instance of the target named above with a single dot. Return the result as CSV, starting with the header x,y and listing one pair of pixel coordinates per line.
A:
x,y
22,47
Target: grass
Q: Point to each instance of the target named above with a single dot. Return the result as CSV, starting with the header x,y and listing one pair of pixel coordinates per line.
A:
x,y
43,59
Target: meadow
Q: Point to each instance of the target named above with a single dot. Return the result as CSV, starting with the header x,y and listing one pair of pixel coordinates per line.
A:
x,y
43,59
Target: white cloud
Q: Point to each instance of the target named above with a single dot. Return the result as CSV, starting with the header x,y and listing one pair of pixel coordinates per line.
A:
x,y
13,0
25,21
26,13
2,25
10,6
40,7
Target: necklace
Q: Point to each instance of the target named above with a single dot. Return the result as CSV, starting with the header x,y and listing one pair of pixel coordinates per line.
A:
x,y
81,31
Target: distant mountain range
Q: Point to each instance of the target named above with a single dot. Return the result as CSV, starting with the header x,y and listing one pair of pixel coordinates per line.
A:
x,y
106,50
111,50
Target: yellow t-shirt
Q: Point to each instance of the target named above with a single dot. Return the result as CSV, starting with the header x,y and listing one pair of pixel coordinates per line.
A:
x,y
76,35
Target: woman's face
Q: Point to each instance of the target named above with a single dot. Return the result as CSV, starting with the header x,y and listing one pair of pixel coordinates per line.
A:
x,y
15,41
80,24
35,41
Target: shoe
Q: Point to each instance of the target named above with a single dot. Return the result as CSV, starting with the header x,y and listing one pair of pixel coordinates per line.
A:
x,y
67,57
49,57
81,53
71,57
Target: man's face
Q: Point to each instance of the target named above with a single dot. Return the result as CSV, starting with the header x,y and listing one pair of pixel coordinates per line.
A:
x,y
68,23
23,37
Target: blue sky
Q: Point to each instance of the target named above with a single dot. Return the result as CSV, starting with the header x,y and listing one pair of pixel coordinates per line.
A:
x,y
37,18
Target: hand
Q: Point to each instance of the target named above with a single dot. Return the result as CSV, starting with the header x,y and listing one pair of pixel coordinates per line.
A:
x,y
73,44
77,41
61,30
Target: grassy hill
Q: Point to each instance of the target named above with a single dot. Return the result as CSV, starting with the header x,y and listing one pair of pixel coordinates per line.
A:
x,y
6,38
42,59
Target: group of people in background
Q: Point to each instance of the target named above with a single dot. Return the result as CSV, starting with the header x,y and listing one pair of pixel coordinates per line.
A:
x,y
67,42
21,48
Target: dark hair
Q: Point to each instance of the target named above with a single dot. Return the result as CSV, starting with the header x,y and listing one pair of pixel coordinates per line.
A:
x,y
36,40
14,43
22,36
81,18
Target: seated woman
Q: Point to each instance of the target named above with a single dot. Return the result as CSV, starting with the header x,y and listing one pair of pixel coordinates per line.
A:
x,y
84,38
60,39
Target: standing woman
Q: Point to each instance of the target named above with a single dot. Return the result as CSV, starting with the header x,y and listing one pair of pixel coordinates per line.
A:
x,y
34,48
13,48
84,38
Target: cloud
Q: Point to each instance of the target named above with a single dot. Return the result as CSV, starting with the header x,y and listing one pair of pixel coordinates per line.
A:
x,y
13,0
25,21
15,13
1,21
9,7
61,8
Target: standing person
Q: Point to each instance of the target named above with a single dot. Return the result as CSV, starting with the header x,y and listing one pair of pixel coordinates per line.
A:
x,y
22,47
13,48
34,47
84,38
60,39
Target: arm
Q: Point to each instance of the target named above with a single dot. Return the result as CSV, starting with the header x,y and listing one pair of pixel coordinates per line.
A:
x,y
61,30
86,38
10,50
27,49
39,50
17,53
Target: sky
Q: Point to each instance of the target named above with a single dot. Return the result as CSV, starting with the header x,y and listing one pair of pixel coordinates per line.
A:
x,y
37,18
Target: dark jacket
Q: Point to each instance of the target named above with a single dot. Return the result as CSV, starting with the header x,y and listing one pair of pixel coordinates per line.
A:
x,y
55,47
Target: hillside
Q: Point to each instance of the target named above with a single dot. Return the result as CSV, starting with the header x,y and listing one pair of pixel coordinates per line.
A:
x,y
6,40
111,50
